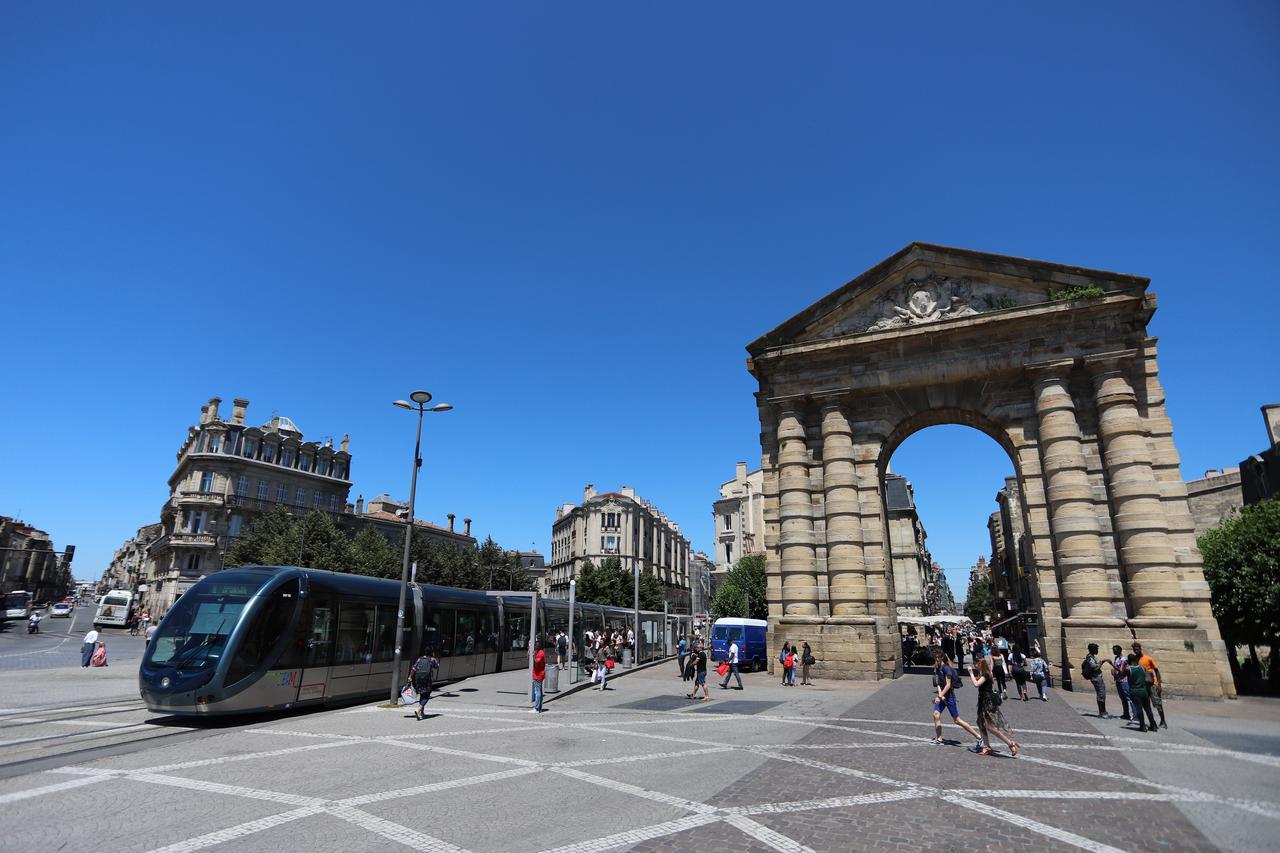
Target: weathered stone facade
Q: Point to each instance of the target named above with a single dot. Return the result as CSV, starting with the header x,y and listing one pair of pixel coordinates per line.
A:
x,y
1213,497
1069,387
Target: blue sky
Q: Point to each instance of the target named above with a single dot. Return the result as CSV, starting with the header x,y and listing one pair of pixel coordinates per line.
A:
x,y
569,219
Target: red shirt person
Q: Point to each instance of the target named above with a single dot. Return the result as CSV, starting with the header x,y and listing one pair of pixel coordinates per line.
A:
x,y
539,674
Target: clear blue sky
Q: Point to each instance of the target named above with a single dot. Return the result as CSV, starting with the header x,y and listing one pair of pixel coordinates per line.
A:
x,y
569,219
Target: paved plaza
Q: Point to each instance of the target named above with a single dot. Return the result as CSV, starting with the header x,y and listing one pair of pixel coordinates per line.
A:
x,y
832,767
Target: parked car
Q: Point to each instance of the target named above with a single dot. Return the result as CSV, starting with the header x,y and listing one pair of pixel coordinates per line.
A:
x,y
60,609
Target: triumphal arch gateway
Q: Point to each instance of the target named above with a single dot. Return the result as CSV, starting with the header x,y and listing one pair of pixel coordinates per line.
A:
x,y
1053,362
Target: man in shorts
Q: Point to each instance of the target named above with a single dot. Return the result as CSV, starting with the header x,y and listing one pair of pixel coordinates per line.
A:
x,y
944,683
700,672
1148,663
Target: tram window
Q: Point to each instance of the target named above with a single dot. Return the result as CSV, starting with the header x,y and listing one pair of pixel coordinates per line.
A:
x,y
355,634
267,625
486,633
517,631
441,622
466,637
384,647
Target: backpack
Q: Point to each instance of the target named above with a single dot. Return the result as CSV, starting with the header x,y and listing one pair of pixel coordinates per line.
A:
x,y
791,660
562,644
1089,669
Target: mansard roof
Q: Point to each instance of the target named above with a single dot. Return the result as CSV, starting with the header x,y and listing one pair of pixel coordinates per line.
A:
x,y
951,277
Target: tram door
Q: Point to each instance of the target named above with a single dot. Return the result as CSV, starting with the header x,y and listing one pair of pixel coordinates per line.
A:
x,y
353,647
317,624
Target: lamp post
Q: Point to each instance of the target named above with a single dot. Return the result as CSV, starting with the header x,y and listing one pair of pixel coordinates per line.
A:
x,y
420,400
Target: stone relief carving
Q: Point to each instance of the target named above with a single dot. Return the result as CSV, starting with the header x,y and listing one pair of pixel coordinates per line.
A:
x,y
924,300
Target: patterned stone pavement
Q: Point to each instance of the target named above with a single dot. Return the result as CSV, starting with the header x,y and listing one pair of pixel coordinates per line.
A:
x,y
770,768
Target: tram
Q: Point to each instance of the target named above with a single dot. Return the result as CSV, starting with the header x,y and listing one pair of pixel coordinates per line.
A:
x,y
266,638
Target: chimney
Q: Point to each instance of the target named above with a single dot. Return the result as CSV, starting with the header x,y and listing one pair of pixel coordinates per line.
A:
x,y
589,492
466,530
360,505
204,415
628,491
451,517
1271,414
346,442
213,407
238,405
740,474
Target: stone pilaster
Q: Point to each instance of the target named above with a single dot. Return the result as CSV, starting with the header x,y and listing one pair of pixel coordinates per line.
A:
x,y
846,568
1072,515
795,512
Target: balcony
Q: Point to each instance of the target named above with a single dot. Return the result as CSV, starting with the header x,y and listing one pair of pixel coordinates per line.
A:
x,y
183,539
197,499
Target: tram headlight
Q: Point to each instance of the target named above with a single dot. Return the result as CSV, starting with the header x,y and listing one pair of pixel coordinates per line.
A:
x,y
164,682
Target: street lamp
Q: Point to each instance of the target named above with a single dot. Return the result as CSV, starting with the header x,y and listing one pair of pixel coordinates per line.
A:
x,y
420,398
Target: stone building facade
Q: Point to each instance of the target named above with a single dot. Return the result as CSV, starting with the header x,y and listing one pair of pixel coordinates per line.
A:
x,y
1010,558
701,567
738,518
128,566
387,515
1213,497
908,553
1055,363
619,524
228,472
30,562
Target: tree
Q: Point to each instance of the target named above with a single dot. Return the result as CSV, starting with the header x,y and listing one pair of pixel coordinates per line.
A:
x,y
373,555
652,591
743,592
1242,567
252,548
980,600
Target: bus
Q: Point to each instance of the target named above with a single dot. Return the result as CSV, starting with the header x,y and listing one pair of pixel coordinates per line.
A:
x,y
17,604
114,609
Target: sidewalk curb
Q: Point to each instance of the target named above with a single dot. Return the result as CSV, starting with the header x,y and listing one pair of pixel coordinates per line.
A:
x,y
551,697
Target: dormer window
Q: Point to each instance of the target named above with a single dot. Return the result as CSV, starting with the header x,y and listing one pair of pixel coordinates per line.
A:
x,y
215,442
304,462
250,448
268,452
286,457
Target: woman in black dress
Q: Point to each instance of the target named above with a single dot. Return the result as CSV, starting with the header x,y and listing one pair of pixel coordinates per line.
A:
x,y
990,720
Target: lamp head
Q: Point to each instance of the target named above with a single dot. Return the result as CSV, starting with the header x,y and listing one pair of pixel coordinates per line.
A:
x,y
441,407
420,397
402,404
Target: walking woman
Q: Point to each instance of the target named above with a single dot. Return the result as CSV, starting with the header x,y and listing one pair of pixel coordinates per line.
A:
x,y
999,668
1040,675
99,655
1018,667
806,661
990,720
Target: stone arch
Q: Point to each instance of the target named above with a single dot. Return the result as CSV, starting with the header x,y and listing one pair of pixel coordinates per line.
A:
x,y
1068,387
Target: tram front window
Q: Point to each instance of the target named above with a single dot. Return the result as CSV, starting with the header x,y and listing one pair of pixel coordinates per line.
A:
x,y
194,634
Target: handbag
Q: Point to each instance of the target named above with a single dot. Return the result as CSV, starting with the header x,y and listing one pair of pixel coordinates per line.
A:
x,y
723,668
408,696
808,660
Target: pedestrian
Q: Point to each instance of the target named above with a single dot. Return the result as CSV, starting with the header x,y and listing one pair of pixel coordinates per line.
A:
x,y
682,651
945,682
1140,682
562,649
99,654
1120,672
539,674
1040,675
782,660
733,667
790,666
421,676
1091,671
631,642
1000,669
87,646
699,667
1155,683
806,661
1018,669
151,631
990,720
133,624
949,643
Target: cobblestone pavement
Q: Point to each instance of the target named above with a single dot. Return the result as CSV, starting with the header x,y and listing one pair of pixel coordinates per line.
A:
x,y
828,768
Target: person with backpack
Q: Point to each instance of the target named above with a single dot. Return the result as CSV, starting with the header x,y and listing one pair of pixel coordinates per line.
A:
x,y
562,649
1018,669
806,661
945,682
1040,675
421,676
1140,683
698,664
1091,671
789,666
999,669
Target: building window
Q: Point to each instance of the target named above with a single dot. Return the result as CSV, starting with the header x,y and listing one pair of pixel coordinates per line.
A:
x,y
728,552
728,522
333,503
268,452
195,521
215,442
304,462
282,493
206,482
286,457
315,499
242,486
250,448
262,490
300,497
340,471
234,528
192,564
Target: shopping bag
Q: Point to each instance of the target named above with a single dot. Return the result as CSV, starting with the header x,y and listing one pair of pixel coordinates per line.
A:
x,y
722,669
408,696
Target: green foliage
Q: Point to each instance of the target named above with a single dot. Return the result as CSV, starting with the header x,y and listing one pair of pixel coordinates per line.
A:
x,y
997,303
652,594
1242,566
610,584
1071,294
253,548
373,555
743,586
980,600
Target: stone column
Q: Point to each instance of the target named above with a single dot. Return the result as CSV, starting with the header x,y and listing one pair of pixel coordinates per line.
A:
x,y
846,569
1141,527
1073,518
795,511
